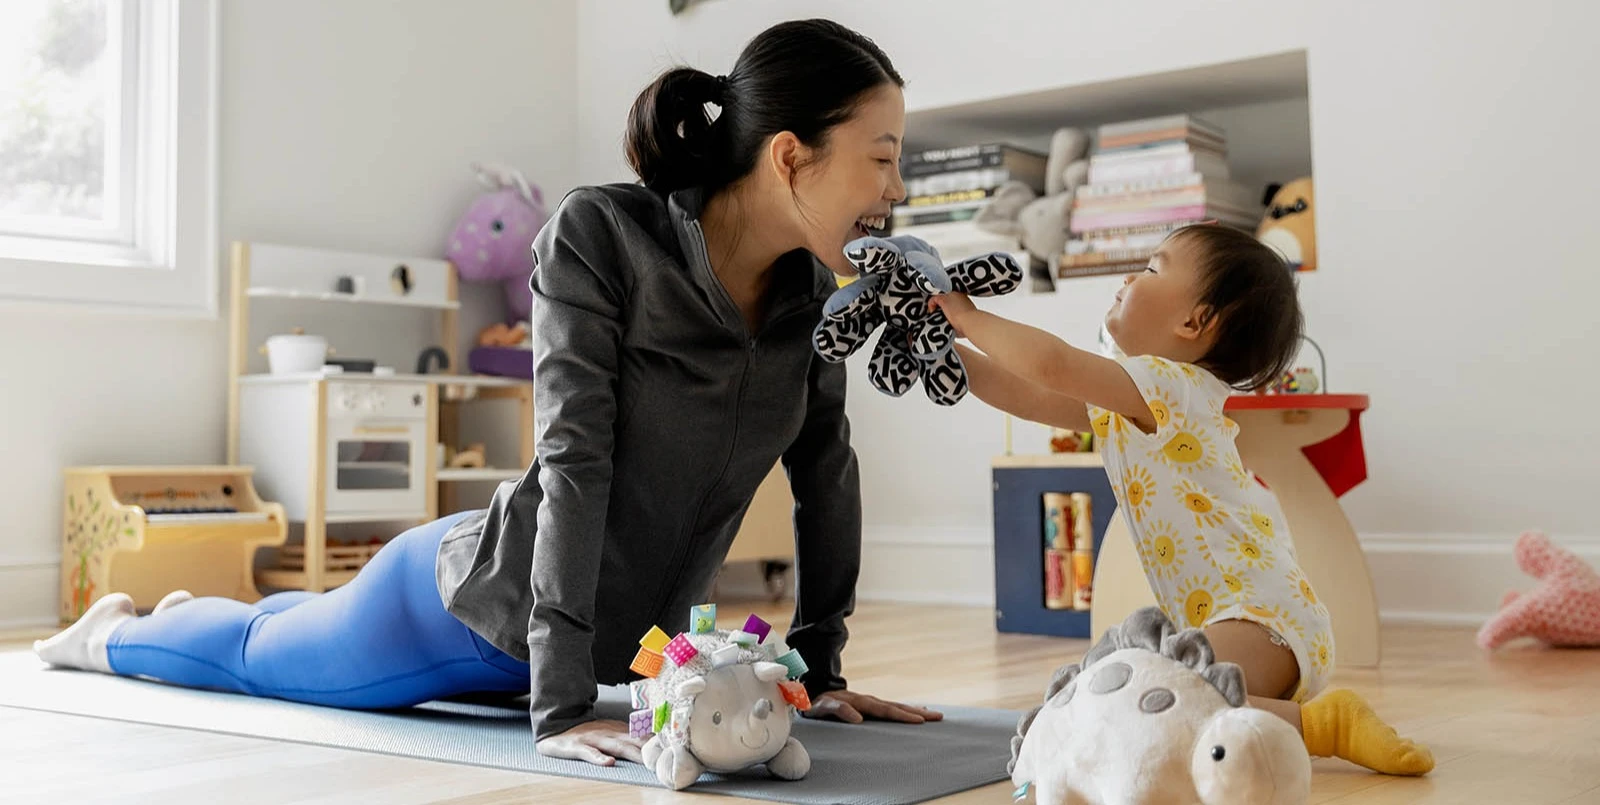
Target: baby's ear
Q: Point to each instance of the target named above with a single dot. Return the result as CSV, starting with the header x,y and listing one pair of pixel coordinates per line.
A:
x,y
1201,323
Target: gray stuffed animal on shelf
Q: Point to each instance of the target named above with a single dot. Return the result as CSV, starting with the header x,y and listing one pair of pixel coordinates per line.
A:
x,y
1040,223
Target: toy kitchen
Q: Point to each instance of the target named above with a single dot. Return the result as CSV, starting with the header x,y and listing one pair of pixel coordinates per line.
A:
x,y
353,443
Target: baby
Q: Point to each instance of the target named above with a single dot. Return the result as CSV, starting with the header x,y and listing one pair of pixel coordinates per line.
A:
x,y
1214,312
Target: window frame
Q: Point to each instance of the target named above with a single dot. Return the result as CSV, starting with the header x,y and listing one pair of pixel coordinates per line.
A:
x,y
161,257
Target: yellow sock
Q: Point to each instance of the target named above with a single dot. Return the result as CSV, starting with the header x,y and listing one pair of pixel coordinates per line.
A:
x,y
1341,724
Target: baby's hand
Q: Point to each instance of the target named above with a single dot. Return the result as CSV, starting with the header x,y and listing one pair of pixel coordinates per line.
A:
x,y
956,307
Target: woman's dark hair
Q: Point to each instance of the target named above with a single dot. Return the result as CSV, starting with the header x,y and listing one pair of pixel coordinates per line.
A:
x,y
1250,297
803,77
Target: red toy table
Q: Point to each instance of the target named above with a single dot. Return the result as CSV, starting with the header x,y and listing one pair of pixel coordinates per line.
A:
x,y
1307,448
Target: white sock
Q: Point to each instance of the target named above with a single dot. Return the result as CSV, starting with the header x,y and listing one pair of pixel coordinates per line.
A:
x,y
171,600
83,644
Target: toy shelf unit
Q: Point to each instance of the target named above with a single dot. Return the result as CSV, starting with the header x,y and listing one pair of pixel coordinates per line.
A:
x,y
1039,559
1136,156
358,442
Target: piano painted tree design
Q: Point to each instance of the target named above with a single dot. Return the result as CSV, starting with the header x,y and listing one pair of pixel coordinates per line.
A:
x,y
93,529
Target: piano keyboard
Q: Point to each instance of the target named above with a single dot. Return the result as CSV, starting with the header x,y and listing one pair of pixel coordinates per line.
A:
x,y
201,516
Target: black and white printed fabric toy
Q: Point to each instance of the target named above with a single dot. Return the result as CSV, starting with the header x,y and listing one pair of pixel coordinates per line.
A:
x,y
898,277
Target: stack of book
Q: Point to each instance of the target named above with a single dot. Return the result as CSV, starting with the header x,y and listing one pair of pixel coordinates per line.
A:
x,y
1147,178
947,187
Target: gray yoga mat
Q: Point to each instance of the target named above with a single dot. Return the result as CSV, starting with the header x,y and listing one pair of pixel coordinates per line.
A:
x,y
867,764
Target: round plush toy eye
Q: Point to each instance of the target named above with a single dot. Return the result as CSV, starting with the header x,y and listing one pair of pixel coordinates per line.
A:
x,y
498,227
1218,753
716,718
1300,205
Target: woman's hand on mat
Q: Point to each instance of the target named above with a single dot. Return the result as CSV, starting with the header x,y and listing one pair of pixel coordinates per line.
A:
x,y
600,742
854,708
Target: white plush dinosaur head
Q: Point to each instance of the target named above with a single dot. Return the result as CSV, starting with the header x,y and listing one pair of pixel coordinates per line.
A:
x,y
1246,756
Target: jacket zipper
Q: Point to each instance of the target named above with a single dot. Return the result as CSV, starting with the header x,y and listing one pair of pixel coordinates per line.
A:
x,y
680,555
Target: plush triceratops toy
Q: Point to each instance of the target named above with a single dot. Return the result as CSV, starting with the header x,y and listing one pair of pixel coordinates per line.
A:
x,y
718,701
898,277
1149,718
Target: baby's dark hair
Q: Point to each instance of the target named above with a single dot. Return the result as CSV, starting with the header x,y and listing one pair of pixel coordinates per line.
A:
x,y
1251,299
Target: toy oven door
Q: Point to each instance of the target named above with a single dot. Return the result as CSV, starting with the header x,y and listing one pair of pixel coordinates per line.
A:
x,y
375,468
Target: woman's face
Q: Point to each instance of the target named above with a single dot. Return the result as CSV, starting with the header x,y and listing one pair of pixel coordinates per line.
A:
x,y
856,182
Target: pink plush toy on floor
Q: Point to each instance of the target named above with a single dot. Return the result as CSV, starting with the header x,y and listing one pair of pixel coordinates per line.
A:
x,y
1564,610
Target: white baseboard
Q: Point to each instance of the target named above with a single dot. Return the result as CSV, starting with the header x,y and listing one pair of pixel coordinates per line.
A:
x,y
1451,579
1432,579
28,592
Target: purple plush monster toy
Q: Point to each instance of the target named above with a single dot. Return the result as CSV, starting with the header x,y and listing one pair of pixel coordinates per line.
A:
x,y
494,239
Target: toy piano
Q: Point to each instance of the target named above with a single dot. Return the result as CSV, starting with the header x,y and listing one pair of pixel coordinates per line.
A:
x,y
147,531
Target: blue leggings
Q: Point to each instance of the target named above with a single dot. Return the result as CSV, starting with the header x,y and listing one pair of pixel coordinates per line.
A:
x,y
383,640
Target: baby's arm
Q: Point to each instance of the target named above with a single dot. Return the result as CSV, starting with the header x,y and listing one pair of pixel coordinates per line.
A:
x,y
1018,397
1038,357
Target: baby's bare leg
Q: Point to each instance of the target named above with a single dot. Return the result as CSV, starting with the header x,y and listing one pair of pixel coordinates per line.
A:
x,y
1338,724
1270,670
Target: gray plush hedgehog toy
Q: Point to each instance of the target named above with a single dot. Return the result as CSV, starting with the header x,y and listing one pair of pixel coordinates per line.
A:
x,y
1149,718
718,701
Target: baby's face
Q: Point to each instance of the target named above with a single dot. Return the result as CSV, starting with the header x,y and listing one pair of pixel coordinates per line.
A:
x,y
1151,310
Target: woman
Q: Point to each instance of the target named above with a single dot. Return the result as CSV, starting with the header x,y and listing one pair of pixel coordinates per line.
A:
x,y
673,368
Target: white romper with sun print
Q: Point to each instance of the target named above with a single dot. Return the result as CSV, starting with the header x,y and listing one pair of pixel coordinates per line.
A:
x,y
1212,540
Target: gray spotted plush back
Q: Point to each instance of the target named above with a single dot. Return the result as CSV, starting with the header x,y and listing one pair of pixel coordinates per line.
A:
x,y
1148,629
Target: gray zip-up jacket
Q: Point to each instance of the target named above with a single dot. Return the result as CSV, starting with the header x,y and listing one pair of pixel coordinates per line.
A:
x,y
658,414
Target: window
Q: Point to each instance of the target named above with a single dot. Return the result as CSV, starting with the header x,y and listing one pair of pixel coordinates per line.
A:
x,y
107,153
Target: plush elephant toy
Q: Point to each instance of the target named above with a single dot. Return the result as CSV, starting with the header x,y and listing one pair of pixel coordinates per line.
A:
x,y
898,277
1148,718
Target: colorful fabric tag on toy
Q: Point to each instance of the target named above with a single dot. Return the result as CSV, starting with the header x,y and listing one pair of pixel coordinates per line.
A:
x,y
637,695
1021,793
680,651
639,723
743,639
758,627
663,714
655,640
795,694
703,619
797,666
647,663
727,655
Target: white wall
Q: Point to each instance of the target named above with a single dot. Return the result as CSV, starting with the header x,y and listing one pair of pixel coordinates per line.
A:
x,y
1458,288
346,125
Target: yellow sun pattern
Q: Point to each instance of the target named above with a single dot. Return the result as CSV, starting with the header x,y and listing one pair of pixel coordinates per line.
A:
x,y
1237,555
1162,368
1206,510
1242,586
1139,489
1277,618
1237,472
1249,552
1259,522
1185,447
1162,405
1322,652
1198,598
1302,588
1162,551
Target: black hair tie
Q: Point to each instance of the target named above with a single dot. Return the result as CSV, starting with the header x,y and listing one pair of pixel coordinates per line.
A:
x,y
722,90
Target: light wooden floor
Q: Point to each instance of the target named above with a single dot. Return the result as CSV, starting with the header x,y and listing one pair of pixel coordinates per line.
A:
x,y
1520,727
